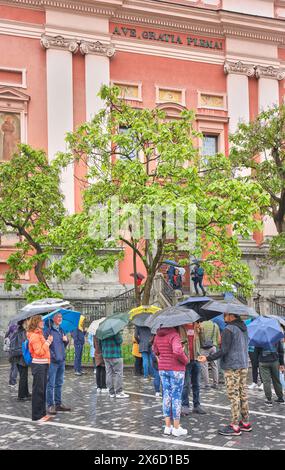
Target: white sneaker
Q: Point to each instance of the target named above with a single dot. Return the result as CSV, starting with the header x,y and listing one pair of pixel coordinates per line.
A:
x,y
157,395
168,430
99,390
112,395
177,432
252,386
122,395
260,387
104,390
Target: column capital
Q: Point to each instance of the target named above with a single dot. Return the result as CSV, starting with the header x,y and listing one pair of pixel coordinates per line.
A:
x,y
97,48
59,42
239,68
269,72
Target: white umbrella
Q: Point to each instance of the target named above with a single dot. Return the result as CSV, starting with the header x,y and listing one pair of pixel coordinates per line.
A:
x,y
94,325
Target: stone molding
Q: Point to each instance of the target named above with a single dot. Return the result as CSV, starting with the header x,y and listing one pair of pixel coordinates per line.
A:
x,y
251,70
97,48
239,68
59,42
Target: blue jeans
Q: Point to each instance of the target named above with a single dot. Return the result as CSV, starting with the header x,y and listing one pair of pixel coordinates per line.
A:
x,y
156,376
147,364
172,385
78,356
192,377
55,383
13,374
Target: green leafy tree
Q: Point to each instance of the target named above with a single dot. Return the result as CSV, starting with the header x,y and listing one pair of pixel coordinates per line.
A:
x,y
31,204
259,147
142,158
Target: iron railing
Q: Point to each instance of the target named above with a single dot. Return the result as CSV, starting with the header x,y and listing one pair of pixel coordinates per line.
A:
x,y
167,291
125,302
276,308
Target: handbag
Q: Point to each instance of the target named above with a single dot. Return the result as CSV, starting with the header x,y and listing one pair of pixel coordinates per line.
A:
x,y
208,343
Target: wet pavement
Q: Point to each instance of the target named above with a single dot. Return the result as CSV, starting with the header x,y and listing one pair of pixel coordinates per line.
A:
x,y
98,422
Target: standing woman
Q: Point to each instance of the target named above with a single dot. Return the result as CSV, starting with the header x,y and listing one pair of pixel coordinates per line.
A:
x,y
39,349
171,365
100,367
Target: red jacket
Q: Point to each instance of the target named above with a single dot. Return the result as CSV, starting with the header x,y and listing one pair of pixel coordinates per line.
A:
x,y
167,346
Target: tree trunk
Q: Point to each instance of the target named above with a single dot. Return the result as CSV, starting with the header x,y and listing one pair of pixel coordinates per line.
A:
x,y
39,272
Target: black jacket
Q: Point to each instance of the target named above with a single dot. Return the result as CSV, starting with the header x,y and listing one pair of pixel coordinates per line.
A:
x,y
226,342
269,356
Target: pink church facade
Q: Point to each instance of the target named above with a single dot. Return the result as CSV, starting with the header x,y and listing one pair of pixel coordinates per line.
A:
x,y
223,58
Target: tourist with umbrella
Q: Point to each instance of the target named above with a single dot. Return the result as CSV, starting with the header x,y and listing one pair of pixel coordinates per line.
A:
x,y
109,333
234,362
266,335
171,364
99,365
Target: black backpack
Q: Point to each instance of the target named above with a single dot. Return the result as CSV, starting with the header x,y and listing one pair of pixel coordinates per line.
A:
x,y
16,342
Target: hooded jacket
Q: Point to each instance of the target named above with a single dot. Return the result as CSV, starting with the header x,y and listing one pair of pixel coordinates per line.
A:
x,y
167,346
234,347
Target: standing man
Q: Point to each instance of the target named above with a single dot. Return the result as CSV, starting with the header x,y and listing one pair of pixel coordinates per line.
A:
x,y
210,341
190,338
79,340
143,337
113,358
234,361
57,366
271,363
197,276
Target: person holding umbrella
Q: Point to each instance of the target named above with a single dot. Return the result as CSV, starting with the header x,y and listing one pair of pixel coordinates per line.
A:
x,y
143,338
234,362
78,336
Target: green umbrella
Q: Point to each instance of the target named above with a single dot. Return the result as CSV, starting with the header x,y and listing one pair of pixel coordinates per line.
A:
x,y
112,325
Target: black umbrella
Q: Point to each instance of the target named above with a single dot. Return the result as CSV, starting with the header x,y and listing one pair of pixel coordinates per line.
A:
x,y
39,307
214,308
171,317
195,303
139,320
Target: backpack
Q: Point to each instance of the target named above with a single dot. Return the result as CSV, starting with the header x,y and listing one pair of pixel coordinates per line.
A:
x,y
26,352
200,271
6,344
15,347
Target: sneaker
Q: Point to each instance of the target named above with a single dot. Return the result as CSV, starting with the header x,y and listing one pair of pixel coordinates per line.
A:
x,y
82,372
122,395
168,430
260,387
281,401
62,408
185,411
177,432
25,399
77,373
104,390
43,419
245,427
99,390
230,431
207,387
13,387
51,410
157,395
112,395
252,386
269,403
199,410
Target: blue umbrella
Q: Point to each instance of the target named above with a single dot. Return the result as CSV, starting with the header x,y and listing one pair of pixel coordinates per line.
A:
x,y
70,319
264,332
172,263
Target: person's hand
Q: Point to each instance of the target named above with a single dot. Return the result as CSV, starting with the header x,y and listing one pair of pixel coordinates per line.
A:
x,y
202,359
65,338
282,368
50,338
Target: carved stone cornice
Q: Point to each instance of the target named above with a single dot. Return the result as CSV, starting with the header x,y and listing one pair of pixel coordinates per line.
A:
x,y
59,42
239,68
269,72
97,48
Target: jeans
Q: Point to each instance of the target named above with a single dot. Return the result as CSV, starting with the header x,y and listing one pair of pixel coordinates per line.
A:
x,y
269,372
40,373
147,364
138,366
101,377
13,374
192,377
199,281
172,385
55,383
78,356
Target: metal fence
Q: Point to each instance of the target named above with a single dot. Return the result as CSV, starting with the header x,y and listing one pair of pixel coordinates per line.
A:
x,y
125,302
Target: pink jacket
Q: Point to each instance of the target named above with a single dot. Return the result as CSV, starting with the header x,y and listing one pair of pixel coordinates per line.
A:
x,y
167,346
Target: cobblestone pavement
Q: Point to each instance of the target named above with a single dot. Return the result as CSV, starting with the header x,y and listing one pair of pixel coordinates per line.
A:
x,y
98,422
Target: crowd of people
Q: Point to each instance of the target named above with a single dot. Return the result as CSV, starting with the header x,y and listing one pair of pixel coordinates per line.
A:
x,y
177,359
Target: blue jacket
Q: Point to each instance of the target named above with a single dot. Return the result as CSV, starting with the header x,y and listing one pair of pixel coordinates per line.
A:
x,y
57,347
78,336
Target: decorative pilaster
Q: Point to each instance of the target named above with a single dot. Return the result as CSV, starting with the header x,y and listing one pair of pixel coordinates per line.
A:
x,y
60,43
97,48
239,68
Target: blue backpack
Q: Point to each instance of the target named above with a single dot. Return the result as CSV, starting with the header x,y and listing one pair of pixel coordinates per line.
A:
x,y
26,352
